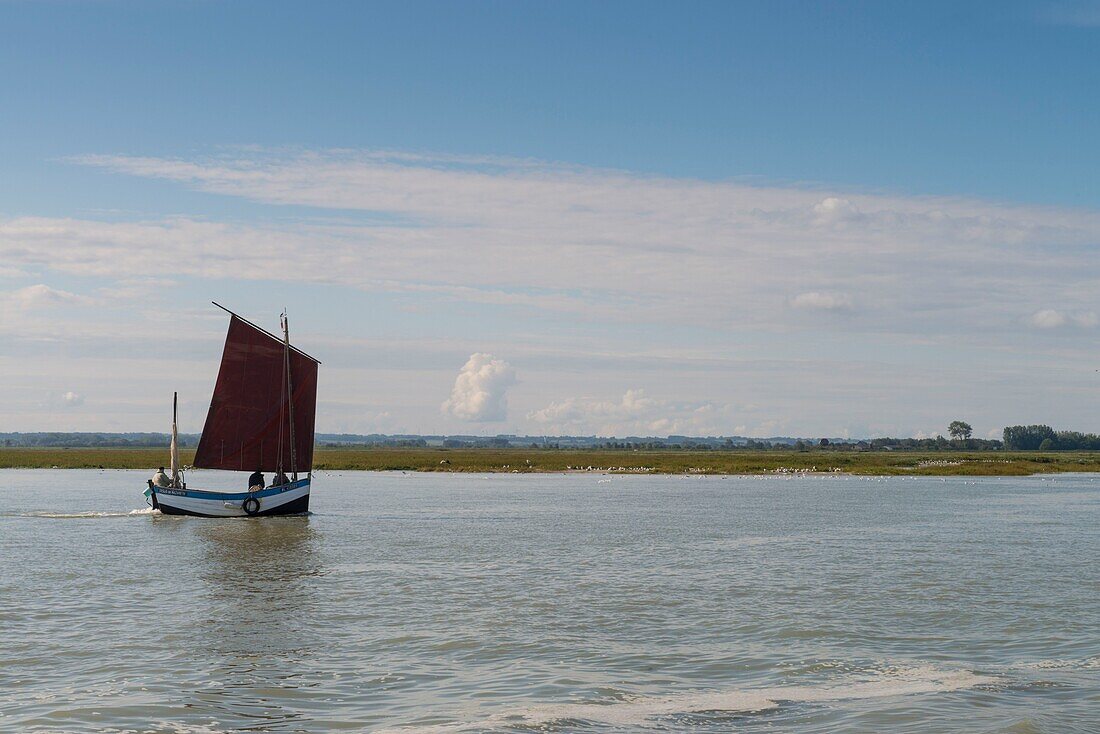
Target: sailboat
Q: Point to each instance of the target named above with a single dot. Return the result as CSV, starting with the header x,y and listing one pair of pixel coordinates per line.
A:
x,y
261,418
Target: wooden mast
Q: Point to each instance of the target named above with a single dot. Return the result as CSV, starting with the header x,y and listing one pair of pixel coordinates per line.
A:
x,y
174,450
289,395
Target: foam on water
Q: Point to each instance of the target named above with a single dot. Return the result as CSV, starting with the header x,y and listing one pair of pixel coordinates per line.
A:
x,y
1085,664
638,710
169,727
91,514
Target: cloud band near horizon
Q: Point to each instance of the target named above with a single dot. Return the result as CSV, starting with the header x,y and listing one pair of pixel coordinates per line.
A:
x,y
702,268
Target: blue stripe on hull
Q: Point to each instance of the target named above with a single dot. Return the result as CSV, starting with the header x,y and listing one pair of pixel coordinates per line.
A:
x,y
294,507
200,494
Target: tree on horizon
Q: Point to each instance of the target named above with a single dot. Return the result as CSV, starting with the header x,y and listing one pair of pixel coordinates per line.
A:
x,y
960,430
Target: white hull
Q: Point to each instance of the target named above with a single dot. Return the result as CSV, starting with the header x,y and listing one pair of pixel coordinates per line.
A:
x,y
287,499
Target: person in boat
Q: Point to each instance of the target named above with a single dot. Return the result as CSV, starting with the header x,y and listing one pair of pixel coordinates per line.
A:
x,y
161,479
256,481
280,479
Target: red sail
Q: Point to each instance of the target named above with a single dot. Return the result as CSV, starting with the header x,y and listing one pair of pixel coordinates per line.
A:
x,y
249,409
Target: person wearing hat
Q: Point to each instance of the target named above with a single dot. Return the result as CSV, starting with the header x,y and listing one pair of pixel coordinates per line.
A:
x,y
161,479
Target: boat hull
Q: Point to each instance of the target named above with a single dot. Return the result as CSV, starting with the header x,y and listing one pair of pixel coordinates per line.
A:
x,y
286,499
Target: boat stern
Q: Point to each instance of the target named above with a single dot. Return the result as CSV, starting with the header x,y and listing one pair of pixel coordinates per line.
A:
x,y
287,499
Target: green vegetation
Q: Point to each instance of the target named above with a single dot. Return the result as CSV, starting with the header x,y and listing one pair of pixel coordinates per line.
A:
x,y
960,430
1045,438
908,463
88,458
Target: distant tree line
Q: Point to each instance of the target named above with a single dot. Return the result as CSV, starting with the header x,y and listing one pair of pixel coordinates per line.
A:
x,y
939,443
97,440
389,443
1045,438
1016,438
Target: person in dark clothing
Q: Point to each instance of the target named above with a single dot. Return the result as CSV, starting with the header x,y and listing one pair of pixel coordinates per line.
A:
x,y
256,480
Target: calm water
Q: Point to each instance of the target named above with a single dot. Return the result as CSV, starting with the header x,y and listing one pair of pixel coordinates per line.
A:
x,y
419,603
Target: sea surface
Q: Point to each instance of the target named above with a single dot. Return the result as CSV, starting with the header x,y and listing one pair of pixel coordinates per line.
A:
x,y
557,603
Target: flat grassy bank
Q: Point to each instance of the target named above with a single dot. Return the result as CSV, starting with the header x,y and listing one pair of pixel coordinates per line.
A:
x,y
940,463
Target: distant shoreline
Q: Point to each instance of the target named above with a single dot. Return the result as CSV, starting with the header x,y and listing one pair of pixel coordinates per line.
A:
x,y
618,461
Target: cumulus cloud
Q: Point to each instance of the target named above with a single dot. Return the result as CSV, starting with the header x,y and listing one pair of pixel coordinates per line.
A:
x,y
817,301
1049,318
833,209
634,414
480,390
71,399
34,296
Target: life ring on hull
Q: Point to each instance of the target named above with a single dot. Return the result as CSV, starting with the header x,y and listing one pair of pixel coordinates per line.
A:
x,y
251,506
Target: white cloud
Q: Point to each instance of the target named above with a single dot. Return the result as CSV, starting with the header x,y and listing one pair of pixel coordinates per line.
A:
x,y
602,243
1049,318
71,399
833,209
35,296
703,289
479,393
817,301
635,414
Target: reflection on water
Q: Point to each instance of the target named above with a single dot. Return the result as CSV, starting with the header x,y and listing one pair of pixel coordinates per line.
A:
x,y
256,636
262,558
258,578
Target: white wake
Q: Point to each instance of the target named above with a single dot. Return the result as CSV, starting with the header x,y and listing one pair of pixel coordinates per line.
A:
x,y
90,514
636,711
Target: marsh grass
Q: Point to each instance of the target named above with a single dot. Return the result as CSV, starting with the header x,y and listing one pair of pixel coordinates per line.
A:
x,y
941,463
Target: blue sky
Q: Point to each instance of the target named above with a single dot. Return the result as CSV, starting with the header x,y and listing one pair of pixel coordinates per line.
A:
x,y
811,218
989,99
